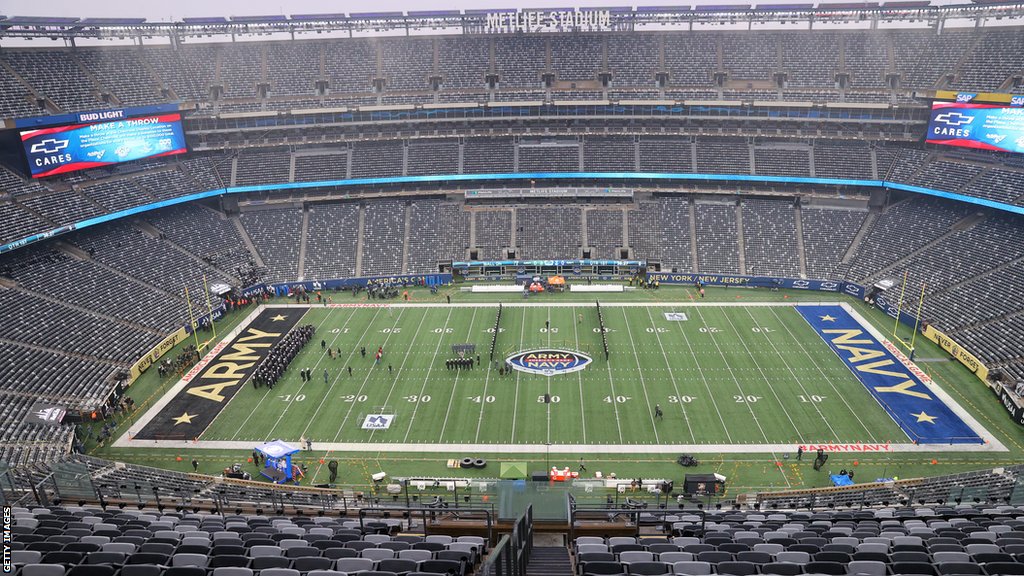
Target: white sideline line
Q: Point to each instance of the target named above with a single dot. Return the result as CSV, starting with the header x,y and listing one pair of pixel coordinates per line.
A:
x,y
692,304
851,448
941,394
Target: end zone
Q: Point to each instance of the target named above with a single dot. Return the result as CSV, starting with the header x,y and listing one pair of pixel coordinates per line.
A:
x,y
195,400
916,403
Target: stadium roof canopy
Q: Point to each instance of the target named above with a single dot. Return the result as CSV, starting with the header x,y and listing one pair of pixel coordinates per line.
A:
x,y
483,21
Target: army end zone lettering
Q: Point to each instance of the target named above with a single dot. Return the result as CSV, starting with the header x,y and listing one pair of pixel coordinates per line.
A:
x,y
209,390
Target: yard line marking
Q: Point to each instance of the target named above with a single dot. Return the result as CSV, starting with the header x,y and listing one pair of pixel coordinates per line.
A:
x,y
835,436
579,375
704,379
426,378
408,353
451,397
672,377
611,385
348,361
640,372
483,402
547,406
743,340
842,397
515,403
366,378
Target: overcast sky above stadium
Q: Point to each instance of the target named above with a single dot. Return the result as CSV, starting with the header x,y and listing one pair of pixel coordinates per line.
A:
x,y
181,8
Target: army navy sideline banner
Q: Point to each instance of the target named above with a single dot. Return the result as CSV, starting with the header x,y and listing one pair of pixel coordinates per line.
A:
x,y
364,281
746,281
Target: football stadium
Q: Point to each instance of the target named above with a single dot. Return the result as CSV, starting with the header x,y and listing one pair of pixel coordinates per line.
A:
x,y
708,289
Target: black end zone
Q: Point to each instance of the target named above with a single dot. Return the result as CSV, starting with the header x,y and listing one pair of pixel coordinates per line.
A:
x,y
189,413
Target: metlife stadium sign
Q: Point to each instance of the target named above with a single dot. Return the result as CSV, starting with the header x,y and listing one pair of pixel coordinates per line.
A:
x,y
551,21
982,126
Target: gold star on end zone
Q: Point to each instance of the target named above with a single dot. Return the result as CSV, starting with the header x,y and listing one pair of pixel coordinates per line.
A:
x,y
185,418
923,417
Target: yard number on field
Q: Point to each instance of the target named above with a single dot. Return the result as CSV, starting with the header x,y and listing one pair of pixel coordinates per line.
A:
x,y
812,398
681,399
749,399
482,399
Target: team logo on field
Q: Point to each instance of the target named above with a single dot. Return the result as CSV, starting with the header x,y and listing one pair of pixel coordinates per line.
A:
x,y
548,362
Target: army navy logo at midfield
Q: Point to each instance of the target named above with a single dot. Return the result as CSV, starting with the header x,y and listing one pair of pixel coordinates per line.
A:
x,y
548,362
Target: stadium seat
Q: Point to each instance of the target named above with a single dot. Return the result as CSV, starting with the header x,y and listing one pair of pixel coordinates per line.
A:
x,y
782,568
736,568
354,564
415,555
694,568
594,568
397,565
42,570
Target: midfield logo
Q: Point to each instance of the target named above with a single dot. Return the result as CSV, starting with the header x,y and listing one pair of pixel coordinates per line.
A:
x,y
548,362
49,146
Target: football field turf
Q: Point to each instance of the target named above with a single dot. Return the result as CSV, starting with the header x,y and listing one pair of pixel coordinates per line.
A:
x,y
726,375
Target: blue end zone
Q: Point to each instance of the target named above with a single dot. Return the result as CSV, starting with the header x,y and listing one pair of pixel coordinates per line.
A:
x,y
924,417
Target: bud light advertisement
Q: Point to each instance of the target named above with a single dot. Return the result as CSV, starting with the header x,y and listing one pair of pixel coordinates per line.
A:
x,y
981,126
62,149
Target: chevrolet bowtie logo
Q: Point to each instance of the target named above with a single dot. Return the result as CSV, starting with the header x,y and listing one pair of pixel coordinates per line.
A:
x,y
954,118
49,146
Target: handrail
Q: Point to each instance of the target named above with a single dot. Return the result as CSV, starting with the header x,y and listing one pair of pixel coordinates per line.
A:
x,y
424,511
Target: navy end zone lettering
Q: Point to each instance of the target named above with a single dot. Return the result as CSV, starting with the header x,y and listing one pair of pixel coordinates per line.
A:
x,y
898,387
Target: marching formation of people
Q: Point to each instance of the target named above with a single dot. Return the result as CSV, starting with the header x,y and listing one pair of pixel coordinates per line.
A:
x,y
184,360
459,364
283,352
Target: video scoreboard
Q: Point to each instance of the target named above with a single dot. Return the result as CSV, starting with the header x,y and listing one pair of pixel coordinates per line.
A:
x,y
80,146
975,125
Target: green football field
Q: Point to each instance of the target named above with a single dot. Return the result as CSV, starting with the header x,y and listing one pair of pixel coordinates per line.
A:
x,y
726,375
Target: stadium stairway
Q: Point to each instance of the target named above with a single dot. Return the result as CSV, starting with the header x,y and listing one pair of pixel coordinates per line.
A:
x,y
549,561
